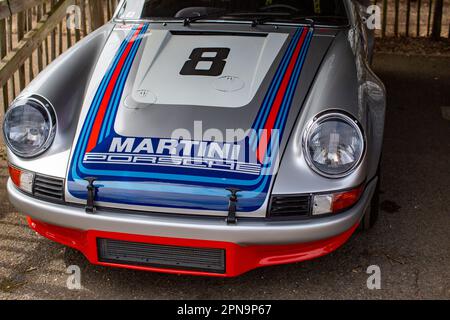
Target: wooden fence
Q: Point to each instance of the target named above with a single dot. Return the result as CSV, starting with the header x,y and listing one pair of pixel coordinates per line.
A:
x,y
33,33
413,18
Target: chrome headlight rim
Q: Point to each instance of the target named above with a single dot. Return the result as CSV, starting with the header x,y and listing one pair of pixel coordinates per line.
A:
x,y
51,115
321,118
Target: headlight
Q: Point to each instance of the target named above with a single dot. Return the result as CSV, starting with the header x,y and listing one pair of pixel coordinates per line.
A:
x,y
333,145
29,127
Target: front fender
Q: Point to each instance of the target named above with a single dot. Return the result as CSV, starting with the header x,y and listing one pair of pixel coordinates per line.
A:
x,y
64,83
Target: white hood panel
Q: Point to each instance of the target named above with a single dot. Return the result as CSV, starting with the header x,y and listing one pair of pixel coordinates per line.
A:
x,y
158,79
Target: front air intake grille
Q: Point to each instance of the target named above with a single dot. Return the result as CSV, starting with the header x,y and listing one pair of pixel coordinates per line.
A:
x,y
48,188
290,206
161,256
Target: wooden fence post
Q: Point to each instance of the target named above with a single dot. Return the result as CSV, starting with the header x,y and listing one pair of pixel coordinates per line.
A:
x,y
20,34
53,39
2,54
68,33
47,61
83,17
437,20
40,52
396,18
29,15
383,26
97,14
60,33
419,7
77,27
10,44
108,9
430,6
408,16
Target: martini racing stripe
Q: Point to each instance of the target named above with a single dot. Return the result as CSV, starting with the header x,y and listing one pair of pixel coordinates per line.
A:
x,y
85,133
101,90
112,69
280,99
291,90
108,123
264,111
95,132
196,186
100,94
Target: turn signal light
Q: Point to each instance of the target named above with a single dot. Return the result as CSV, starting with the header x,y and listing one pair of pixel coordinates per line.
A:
x,y
342,201
336,202
22,179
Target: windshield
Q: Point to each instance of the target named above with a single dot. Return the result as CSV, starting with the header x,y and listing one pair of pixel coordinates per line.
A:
x,y
329,11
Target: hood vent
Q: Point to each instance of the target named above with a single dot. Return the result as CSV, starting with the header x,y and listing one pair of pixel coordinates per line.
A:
x,y
48,188
290,206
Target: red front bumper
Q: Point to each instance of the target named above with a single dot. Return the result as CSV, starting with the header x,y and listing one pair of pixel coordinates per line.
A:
x,y
239,259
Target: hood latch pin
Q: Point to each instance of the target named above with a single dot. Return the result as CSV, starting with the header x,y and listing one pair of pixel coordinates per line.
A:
x,y
232,206
92,192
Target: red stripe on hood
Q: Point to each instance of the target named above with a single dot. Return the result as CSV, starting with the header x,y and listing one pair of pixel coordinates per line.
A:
x,y
275,108
95,132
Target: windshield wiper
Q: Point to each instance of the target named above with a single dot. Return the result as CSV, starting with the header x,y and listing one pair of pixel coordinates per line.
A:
x,y
260,21
312,20
259,18
189,20
306,20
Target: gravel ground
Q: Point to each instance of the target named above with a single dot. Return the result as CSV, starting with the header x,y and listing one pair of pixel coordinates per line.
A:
x,y
411,242
414,46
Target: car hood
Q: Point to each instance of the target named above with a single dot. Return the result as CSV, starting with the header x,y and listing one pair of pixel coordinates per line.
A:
x,y
173,118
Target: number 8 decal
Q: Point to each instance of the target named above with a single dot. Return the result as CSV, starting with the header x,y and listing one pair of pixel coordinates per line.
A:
x,y
206,62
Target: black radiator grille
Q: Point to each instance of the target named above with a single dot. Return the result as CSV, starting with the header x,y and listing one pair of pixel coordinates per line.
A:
x,y
290,206
48,188
161,256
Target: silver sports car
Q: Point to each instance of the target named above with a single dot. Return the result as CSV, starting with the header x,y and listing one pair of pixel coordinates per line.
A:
x,y
205,137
